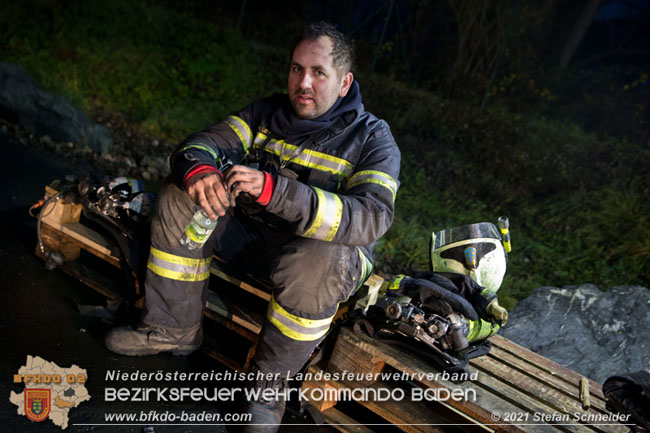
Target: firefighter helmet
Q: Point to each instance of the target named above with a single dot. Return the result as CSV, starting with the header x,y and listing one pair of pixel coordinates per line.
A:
x,y
475,250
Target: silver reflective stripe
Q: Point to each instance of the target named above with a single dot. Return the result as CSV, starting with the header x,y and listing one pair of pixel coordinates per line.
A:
x,y
177,267
308,157
201,146
328,216
242,130
373,176
294,327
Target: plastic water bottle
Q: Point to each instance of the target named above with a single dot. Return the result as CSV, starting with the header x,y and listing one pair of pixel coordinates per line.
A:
x,y
198,230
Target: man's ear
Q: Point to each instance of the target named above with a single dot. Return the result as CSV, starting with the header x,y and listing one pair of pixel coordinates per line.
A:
x,y
346,82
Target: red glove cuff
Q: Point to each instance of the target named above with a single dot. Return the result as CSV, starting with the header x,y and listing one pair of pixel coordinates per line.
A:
x,y
204,168
267,190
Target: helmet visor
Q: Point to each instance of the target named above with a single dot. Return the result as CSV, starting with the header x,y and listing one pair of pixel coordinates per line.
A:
x,y
462,233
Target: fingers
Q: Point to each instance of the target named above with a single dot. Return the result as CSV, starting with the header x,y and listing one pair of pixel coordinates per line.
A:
x,y
242,179
210,193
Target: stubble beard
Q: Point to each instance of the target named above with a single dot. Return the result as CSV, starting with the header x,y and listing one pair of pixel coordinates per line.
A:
x,y
305,111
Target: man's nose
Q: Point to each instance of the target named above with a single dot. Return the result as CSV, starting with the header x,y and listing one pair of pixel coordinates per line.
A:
x,y
305,81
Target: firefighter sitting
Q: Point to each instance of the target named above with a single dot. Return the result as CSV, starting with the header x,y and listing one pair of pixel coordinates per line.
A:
x,y
311,189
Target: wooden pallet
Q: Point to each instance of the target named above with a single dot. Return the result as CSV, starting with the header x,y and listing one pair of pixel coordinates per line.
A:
x,y
519,385
63,230
510,384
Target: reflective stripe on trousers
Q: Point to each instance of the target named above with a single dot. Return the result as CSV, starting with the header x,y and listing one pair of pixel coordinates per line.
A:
x,y
310,278
176,276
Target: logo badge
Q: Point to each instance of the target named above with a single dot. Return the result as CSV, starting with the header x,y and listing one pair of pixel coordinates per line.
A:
x,y
37,404
470,257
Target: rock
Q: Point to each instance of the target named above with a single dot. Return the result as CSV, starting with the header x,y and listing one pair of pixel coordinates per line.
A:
x,y
598,334
156,166
26,103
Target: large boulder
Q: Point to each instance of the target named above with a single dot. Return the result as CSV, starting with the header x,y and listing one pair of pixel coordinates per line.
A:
x,y
24,102
596,333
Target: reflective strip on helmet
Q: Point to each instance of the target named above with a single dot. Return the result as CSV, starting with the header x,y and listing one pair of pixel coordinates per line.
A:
x,y
178,268
328,216
294,327
200,146
373,176
394,285
307,158
242,130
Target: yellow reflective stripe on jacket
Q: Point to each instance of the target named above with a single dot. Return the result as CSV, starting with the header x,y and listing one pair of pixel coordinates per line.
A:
x,y
242,130
200,146
308,157
294,327
328,216
177,267
373,176
366,267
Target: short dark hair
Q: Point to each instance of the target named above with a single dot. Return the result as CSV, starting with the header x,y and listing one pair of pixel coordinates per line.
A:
x,y
342,47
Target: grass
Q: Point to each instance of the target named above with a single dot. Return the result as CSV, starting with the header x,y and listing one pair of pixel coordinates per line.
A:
x,y
168,73
578,205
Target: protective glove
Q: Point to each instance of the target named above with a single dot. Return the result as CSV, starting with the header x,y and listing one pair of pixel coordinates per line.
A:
x,y
497,311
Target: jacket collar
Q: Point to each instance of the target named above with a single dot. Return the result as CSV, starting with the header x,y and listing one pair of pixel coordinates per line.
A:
x,y
285,123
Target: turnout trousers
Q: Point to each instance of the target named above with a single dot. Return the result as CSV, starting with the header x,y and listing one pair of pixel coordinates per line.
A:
x,y
309,277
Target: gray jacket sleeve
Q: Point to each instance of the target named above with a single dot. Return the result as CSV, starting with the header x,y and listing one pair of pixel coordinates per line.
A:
x,y
361,212
226,141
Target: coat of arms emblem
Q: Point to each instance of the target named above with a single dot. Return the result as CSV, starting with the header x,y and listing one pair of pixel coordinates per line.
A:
x,y
37,404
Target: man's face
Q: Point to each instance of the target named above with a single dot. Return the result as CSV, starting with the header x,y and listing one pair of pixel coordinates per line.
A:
x,y
314,82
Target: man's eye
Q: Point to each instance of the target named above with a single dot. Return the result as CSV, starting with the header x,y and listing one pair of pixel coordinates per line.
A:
x,y
320,73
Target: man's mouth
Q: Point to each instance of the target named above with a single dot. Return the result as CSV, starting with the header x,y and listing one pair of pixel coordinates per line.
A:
x,y
304,98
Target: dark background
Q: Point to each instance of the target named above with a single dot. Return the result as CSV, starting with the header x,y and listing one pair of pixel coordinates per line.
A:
x,y
444,74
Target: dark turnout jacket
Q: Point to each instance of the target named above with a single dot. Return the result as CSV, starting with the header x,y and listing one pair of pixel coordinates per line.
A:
x,y
338,183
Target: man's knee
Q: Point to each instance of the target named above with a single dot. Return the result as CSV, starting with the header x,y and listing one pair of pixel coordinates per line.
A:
x,y
312,277
174,209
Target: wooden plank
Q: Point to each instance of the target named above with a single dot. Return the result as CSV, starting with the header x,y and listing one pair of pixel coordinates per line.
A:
x,y
345,358
86,238
501,395
226,322
91,278
324,403
343,422
351,344
532,370
570,376
60,211
404,413
235,313
225,360
214,269
54,240
245,333
533,394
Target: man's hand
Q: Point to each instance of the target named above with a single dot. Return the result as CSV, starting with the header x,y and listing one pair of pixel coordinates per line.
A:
x,y
245,179
209,191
